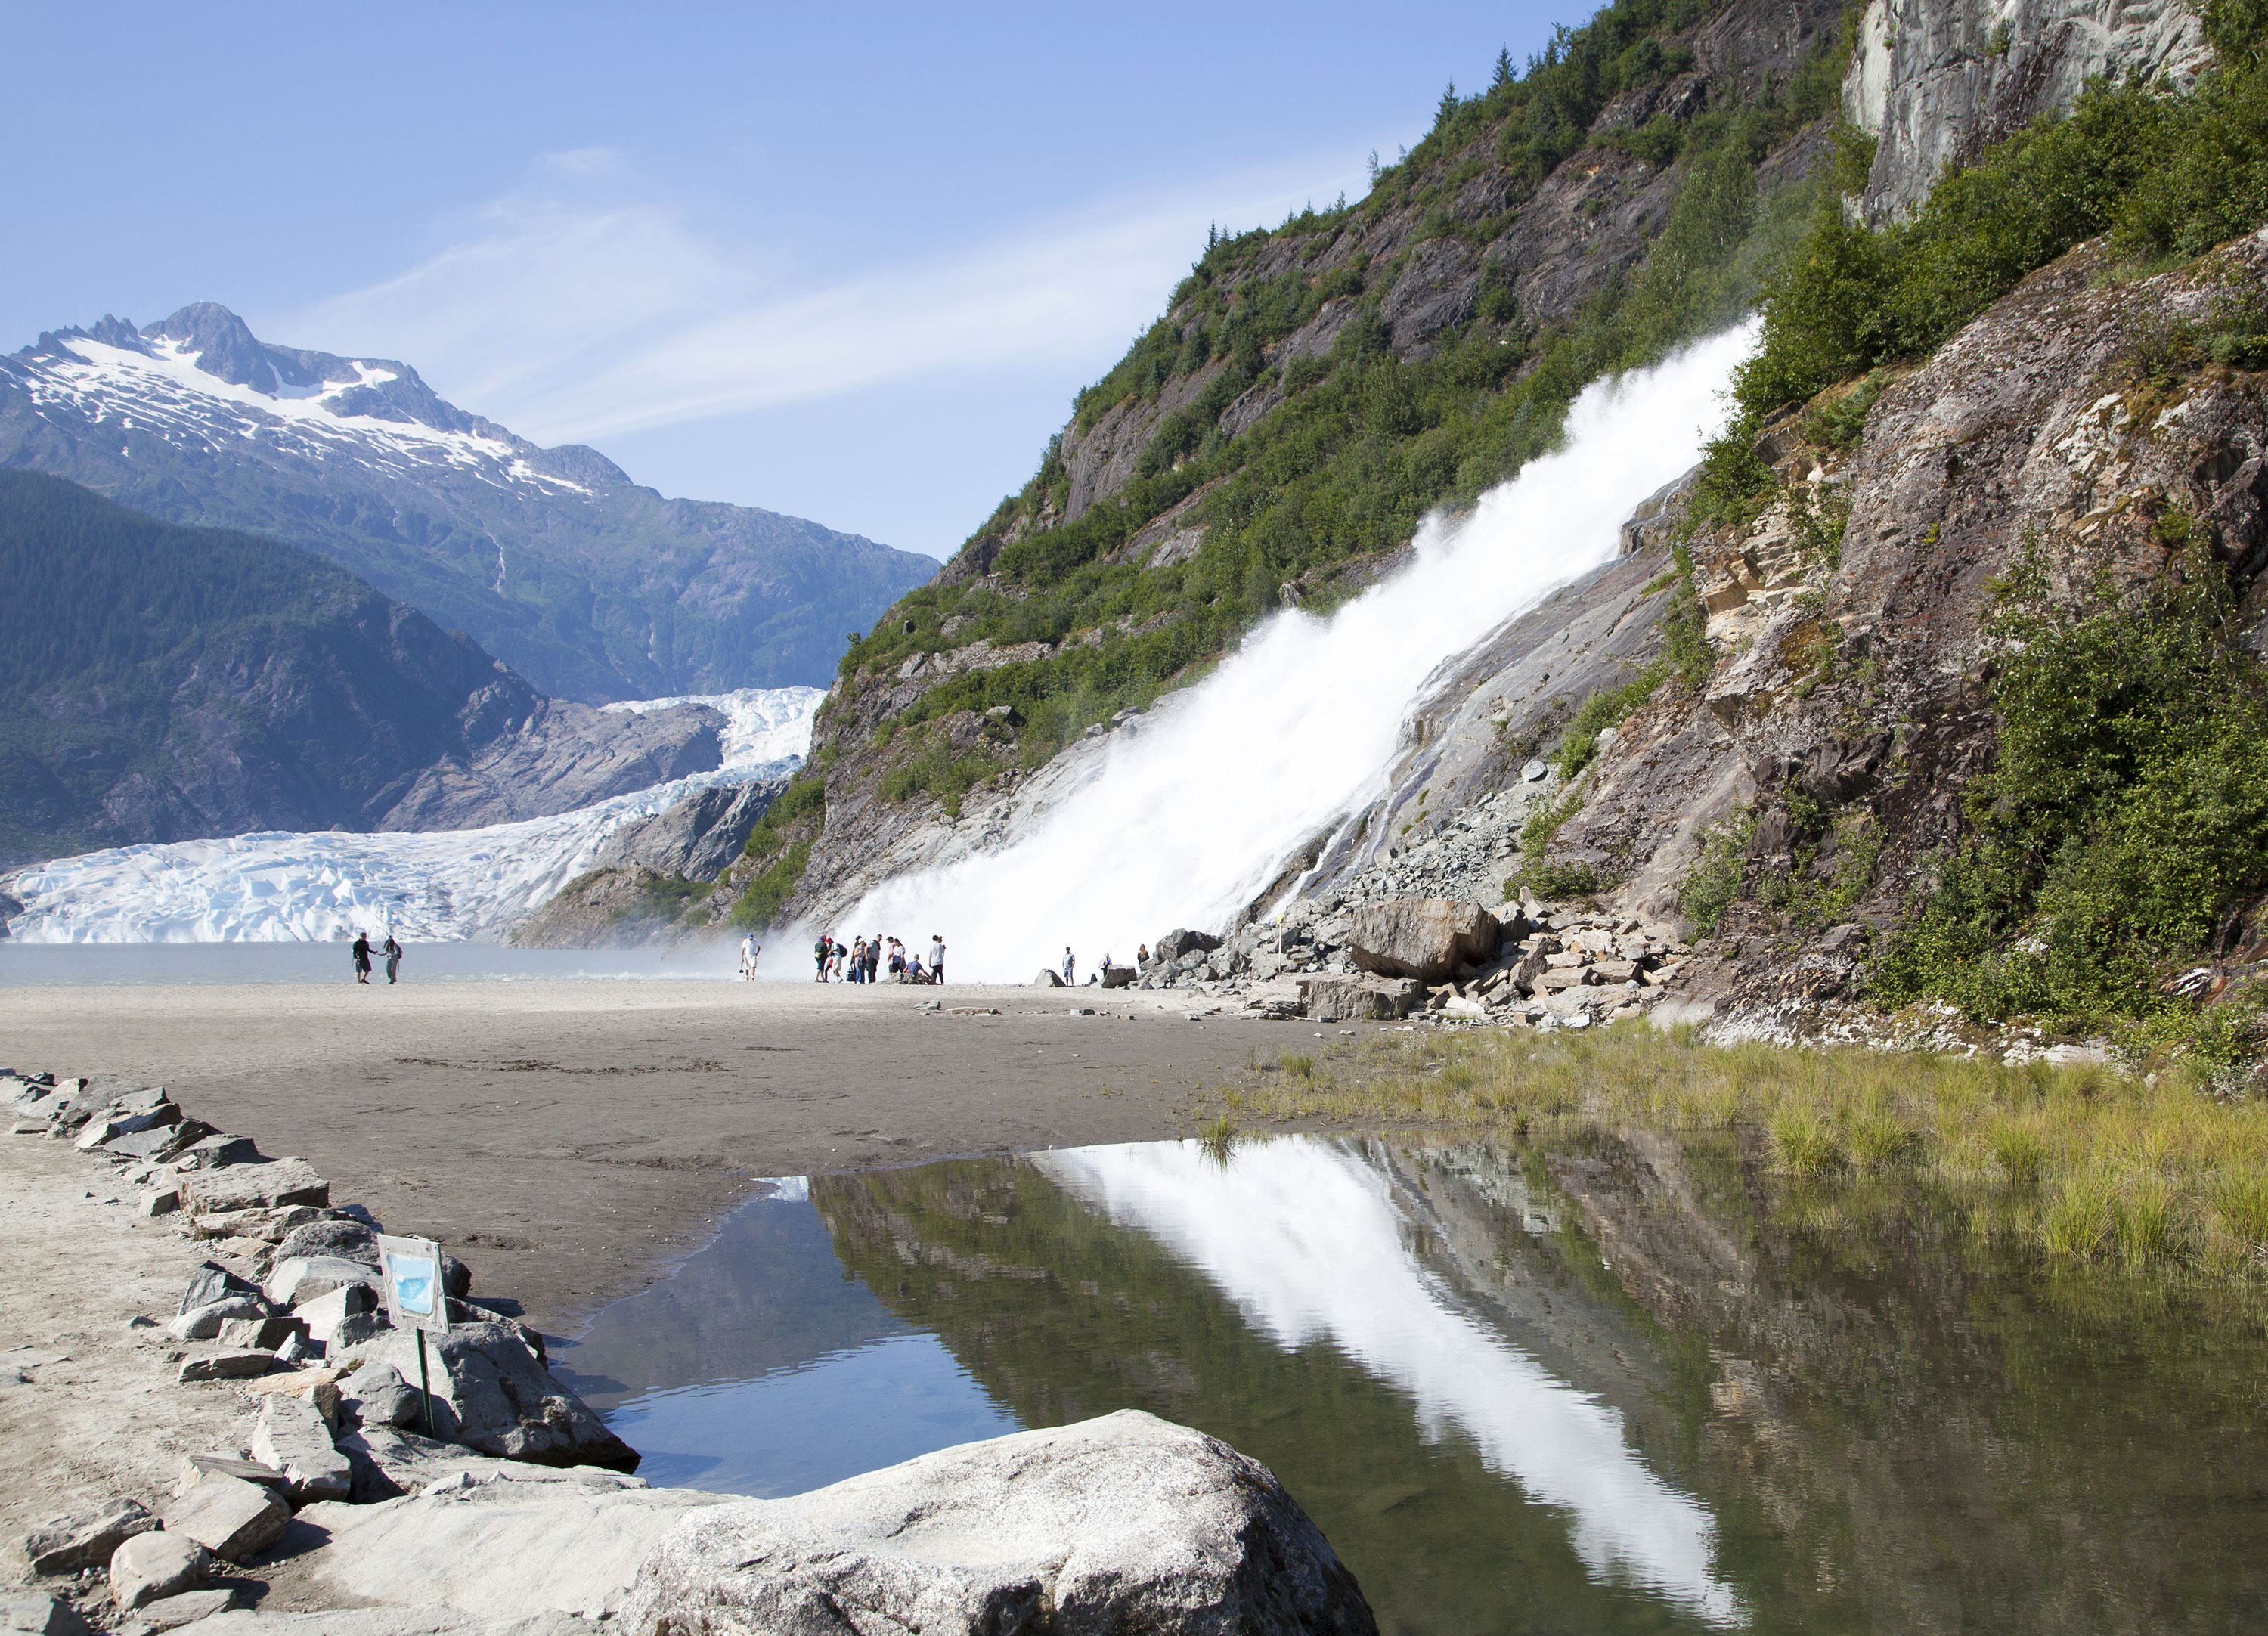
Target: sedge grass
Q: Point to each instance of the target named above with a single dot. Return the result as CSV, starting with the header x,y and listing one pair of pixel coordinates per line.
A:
x,y
2086,1164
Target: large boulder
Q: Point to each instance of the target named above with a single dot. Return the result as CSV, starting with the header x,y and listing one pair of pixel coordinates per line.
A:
x,y
251,1186
1123,1523
492,1394
1180,941
1360,1000
1430,938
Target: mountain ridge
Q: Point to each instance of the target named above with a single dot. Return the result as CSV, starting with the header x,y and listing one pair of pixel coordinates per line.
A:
x,y
168,683
594,588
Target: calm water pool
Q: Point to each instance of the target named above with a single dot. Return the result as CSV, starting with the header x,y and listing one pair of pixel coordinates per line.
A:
x,y
1622,1386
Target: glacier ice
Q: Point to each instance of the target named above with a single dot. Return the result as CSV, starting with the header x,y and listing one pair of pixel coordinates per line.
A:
x,y
449,886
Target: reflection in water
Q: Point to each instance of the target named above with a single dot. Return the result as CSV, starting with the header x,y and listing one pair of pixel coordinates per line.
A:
x,y
1621,1384
1306,1238
805,1426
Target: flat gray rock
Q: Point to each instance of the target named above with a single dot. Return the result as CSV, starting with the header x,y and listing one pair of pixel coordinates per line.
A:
x,y
86,1541
499,1546
294,1280
1127,1523
253,1186
172,1612
209,1283
150,1567
36,1614
225,1365
228,1516
290,1435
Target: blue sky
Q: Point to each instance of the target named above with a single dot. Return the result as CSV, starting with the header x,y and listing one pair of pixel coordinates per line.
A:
x,y
848,261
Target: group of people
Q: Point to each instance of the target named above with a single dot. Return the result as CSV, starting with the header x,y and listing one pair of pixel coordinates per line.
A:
x,y
391,951
868,959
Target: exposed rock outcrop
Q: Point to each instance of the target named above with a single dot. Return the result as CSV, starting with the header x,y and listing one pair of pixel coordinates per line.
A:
x,y
1935,82
559,757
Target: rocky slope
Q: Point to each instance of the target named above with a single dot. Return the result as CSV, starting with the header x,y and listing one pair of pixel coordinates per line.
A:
x,y
552,559
168,683
1312,391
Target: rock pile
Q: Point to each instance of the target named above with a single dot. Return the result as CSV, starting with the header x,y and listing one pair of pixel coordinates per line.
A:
x,y
287,1308
1330,960
508,1521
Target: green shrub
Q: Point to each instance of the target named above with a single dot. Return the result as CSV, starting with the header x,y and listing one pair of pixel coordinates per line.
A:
x,y
2125,815
1579,743
1715,880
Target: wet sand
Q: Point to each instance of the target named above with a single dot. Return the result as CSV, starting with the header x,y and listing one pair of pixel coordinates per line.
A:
x,y
568,1138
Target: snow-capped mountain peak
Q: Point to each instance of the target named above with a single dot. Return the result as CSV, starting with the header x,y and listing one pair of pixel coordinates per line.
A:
x,y
202,375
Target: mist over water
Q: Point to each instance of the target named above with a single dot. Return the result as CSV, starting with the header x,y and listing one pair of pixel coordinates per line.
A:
x,y
1182,822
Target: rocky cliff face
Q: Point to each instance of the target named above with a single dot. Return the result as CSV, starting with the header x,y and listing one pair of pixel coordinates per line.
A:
x,y
552,559
1935,82
1845,710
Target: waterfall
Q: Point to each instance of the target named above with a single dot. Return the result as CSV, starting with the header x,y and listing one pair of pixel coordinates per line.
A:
x,y
1183,821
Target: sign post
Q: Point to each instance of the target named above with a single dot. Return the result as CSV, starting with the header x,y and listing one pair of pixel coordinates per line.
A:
x,y
415,1299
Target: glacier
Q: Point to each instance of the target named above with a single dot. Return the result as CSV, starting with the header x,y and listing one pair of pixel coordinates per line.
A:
x,y
446,886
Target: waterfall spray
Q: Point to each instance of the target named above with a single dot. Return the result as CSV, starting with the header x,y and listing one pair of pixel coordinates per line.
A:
x,y
1182,822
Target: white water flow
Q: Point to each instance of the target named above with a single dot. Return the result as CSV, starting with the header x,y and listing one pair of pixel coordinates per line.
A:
x,y
1182,822
1305,1237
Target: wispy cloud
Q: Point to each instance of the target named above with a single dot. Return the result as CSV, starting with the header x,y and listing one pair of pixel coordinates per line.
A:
x,y
573,318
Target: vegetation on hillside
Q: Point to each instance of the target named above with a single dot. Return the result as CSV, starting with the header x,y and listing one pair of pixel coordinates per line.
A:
x,y
2165,175
1360,443
2120,832
134,647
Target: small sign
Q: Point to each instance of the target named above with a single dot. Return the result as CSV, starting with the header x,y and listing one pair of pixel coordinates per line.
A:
x,y
415,1299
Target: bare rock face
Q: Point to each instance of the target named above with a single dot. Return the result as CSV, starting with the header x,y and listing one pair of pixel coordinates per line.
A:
x,y
697,838
1127,1523
1426,938
564,756
1937,81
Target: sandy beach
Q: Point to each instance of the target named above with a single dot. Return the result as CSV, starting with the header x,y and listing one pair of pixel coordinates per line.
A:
x,y
568,1138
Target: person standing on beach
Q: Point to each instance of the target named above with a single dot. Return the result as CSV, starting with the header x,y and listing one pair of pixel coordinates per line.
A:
x,y
750,949
822,951
936,958
1069,966
393,952
873,959
362,956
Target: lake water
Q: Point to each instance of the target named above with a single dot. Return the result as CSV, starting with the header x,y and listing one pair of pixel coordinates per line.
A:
x,y
1624,1385
75,964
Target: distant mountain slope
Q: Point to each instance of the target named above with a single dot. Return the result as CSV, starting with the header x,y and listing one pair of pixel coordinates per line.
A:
x,y
165,683
551,559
